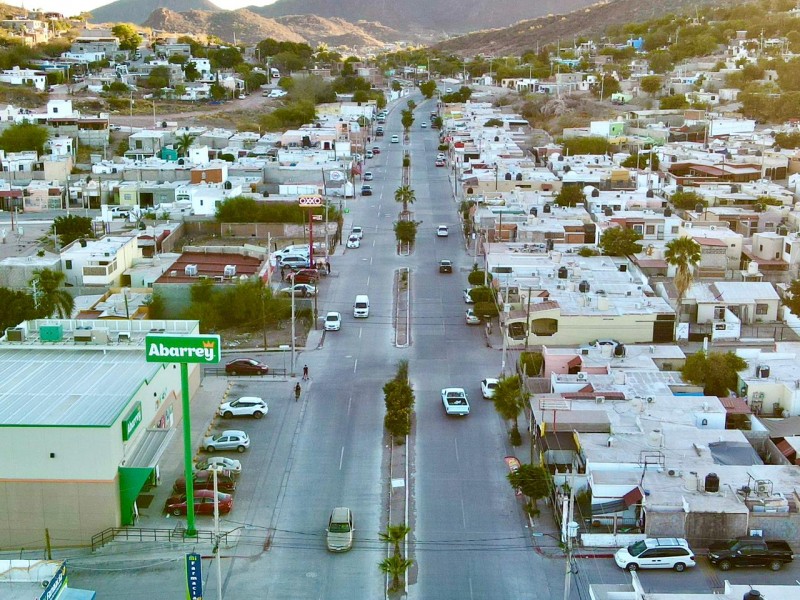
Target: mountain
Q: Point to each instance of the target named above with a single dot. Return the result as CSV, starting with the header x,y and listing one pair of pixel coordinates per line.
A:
x,y
250,28
453,16
593,19
136,11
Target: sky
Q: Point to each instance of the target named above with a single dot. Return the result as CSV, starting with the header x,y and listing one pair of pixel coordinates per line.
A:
x,y
78,6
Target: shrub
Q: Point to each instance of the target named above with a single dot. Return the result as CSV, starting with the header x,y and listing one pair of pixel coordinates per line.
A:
x,y
531,363
486,310
476,277
481,294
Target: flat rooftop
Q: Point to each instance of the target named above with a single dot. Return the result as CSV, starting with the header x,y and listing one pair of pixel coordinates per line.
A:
x,y
211,265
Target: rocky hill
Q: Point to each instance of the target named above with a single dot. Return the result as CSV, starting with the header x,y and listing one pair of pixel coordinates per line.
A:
x,y
137,11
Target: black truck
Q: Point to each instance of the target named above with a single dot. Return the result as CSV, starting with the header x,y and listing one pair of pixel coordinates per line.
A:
x,y
750,552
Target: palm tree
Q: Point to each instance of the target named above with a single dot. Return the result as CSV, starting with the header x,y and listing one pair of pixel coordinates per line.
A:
x,y
509,399
394,535
683,253
183,143
405,195
396,566
49,296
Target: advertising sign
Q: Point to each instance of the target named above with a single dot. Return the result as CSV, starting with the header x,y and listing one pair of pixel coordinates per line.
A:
x,y
56,584
194,577
202,349
310,200
131,421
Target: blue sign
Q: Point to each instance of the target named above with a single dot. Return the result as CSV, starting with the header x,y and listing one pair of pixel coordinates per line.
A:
x,y
194,577
56,584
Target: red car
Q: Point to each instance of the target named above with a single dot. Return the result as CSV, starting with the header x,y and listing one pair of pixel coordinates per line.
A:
x,y
203,503
307,276
440,163
246,366
376,149
204,480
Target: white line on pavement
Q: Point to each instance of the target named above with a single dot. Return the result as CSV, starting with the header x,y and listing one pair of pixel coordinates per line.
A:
x,y
341,459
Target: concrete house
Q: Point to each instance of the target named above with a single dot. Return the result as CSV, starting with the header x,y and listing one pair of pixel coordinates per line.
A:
x,y
98,262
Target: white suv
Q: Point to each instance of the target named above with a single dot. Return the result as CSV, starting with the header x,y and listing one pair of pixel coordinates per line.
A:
x,y
247,406
656,553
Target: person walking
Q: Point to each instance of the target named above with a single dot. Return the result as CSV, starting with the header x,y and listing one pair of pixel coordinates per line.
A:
x,y
297,391
305,373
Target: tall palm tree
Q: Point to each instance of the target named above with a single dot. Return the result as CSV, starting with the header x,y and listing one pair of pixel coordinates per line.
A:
x,y
509,399
51,299
394,535
405,195
683,253
183,142
396,566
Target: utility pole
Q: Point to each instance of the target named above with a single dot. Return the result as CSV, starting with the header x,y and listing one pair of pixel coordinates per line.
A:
x,y
570,529
291,277
216,536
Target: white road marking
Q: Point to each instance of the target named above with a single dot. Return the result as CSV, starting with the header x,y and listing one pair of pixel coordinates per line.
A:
x,y
349,404
355,366
341,460
360,329
456,445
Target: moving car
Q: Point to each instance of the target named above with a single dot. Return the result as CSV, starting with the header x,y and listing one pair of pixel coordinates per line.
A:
x,y
366,190
203,503
339,534
246,366
752,551
357,231
353,242
488,386
204,480
220,463
231,439
333,321
472,318
442,231
445,266
379,131
423,125
467,297
368,176
368,154
656,553
246,406
455,401
395,139
376,150
299,289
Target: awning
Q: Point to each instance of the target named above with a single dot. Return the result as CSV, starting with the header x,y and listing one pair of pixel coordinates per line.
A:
x,y
616,505
633,497
149,449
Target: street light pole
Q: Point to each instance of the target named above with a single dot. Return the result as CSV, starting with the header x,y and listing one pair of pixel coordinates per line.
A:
x,y
291,277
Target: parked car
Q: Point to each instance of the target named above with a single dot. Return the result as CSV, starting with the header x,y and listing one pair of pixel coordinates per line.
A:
x,y
220,463
246,366
299,289
442,231
307,276
368,154
353,242
231,439
333,321
246,406
439,162
467,297
445,266
376,150
339,534
296,261
455,401
204,480
368,176
750,551
472,318
357,231
366,190
203,503
656,553
488,386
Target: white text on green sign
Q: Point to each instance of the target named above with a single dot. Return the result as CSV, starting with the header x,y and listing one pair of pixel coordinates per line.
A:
x,y
203,349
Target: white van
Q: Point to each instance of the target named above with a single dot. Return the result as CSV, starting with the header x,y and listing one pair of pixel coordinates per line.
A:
x,y
301,249
361,306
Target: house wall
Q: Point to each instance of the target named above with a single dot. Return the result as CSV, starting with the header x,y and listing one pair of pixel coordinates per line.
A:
x,y
703,528
782,526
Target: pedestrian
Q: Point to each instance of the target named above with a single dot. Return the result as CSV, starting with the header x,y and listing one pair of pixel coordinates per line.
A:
x,y
328,267
305,373
297,392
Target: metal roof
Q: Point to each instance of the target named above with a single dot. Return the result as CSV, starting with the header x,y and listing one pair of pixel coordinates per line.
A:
x,y
69,388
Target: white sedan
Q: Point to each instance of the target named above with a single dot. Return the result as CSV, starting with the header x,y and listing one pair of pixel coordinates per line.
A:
x,y
220,463
300,289
471,318
488,386
353,241
442,231
333,321
468,297
455,401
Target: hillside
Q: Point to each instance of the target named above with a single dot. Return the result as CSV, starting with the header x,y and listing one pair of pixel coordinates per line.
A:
x,y
590,20
136,11
411,16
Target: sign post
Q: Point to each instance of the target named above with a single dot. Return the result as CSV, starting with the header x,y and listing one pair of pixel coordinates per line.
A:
x,y
185,350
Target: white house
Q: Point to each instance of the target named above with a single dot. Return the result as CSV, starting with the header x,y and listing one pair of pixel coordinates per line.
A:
x,y
99,262
17,76
205,197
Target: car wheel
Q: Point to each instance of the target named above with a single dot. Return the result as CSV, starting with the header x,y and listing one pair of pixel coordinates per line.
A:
x,y
724,565
234,372
679,567
258,414
776,565
632,567
241,449
227,414
210,448
176,512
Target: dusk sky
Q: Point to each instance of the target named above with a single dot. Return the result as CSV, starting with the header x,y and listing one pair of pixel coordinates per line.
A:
x,y
78,6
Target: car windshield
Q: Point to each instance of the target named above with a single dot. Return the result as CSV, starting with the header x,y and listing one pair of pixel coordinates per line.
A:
x,y
637,548
340,528
332,318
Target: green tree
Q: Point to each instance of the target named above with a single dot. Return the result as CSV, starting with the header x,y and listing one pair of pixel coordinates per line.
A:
x,y
687,200
24,136
717,372
225,58
183,142
407,119
395,566
394,535
129,39
570,195
405,232
642,160
592,144
405,195
620,241
607,87
660,61
158,78
428,88
190,72
15,307
532,480
72,227
673,102
50,297
493,123
651,84
509,400
683,253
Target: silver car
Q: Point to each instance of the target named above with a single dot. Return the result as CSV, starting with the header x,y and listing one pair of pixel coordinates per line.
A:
x,y
231,439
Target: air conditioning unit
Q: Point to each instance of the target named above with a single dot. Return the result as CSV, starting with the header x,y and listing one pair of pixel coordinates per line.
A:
x,y
83,334
674,473
229,271
600,399
762,487
15,334
124,336
190,270
581,376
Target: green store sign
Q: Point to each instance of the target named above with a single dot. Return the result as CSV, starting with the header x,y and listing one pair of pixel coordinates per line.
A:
x,y
202,349
131,422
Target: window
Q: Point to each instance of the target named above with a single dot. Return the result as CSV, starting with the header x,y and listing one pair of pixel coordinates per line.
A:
x,y
762,309
638,229
719,313
675,229
650,230
55,109
68,265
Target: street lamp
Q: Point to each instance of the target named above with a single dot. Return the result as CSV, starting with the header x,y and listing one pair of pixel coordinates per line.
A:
x,y
291,278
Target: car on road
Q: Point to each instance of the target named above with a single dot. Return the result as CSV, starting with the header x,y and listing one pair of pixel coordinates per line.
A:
x,y
357,231
368,176
246,366
455,401
752,551
353,242
203,503
445,266
299,289
423,125
204,480
395,139
246,406
468,297
379,131
307,276
369,154
448,90
656,553
220,463
366,190
439,162
333,321
488,386
441,156
376,150
471,317
442,231
230,439
339,534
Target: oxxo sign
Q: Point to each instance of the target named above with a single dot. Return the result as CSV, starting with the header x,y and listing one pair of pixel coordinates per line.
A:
x,y
310,200
202,349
